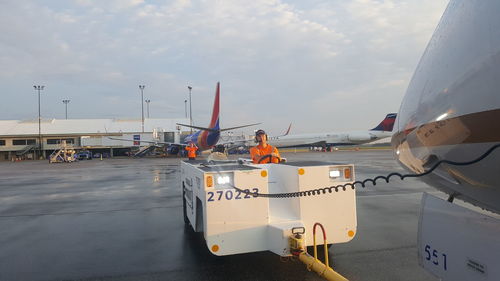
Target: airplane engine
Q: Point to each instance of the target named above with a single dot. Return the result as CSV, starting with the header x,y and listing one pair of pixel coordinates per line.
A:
x,y
173,150
360,137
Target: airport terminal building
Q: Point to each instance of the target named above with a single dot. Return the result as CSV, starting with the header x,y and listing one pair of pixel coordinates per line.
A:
x,y
23,139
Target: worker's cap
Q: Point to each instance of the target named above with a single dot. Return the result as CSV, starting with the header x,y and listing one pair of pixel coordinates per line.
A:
x,y
260,132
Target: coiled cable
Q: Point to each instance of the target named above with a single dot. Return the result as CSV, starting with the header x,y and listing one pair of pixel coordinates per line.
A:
x,y
373,181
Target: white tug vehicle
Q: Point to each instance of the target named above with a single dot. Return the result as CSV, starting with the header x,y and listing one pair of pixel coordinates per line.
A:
x,y
226,200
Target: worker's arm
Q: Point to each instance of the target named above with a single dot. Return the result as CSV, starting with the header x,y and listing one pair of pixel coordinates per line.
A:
x,y
254,155
276,152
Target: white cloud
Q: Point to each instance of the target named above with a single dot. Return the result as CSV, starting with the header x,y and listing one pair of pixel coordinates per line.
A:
x,y
315,59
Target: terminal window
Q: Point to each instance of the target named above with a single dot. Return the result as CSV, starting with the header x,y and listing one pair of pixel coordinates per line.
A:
x,y
23,142
169,137
58,141
19,142
2,142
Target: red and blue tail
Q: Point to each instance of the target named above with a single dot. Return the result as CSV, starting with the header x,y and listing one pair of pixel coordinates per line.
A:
x,y
214,123
208,137
387,124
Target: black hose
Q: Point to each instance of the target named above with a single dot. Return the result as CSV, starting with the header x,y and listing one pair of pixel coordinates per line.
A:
x,y
330,189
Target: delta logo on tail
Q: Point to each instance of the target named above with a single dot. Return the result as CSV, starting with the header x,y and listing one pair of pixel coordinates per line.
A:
x,y
387,124
208,137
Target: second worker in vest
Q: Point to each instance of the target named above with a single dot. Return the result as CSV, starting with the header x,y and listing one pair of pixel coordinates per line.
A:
x,y
264,152
191,149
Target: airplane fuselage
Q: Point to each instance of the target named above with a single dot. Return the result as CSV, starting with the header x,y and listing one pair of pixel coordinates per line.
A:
x,y
451,109
328,139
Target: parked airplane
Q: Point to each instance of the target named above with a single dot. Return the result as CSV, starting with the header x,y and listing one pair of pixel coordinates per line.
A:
x,y
383,130
206,137
451,111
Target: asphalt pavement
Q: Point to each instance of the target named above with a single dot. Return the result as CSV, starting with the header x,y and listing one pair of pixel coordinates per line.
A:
x,y
121,219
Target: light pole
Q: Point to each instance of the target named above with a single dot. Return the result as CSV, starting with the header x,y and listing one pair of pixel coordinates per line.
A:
x,y
39,88
190,109
142,104
147,103
66,104
185,109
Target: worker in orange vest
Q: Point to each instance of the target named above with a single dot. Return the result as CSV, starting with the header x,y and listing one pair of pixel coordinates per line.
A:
x,y
264,152
191,149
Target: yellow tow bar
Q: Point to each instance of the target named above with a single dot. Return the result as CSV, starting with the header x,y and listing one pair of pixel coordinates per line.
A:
x,y
312,263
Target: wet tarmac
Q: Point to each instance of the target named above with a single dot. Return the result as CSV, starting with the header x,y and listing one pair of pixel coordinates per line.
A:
x,y
121,219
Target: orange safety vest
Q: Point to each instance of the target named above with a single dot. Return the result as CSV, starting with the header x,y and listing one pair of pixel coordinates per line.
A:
x,y
258,151
191,151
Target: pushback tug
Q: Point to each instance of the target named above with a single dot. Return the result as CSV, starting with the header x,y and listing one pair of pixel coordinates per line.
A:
x,y
221,199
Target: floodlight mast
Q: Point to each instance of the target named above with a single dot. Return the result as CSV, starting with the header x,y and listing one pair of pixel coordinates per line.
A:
x,y
147,106
39,88
66,105
190,110
141,87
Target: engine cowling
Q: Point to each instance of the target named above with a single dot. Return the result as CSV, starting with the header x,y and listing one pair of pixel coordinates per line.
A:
x,y
174,149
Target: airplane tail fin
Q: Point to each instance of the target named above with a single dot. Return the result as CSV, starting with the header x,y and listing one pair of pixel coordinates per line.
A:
x,y
288,130
214,123
387,124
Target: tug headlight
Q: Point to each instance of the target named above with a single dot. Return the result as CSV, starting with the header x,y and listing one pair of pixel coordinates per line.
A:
x,y
334,174
223,179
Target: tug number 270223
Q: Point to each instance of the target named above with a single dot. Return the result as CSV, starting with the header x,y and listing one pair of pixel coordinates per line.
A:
x,y
229,194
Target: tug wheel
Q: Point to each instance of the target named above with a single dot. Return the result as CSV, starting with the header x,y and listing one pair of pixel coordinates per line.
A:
x,y
186,220
270,156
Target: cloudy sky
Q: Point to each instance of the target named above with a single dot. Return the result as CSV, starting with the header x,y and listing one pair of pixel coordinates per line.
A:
x,y
323,65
